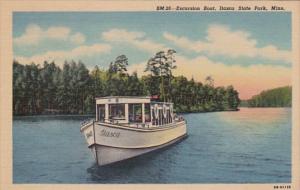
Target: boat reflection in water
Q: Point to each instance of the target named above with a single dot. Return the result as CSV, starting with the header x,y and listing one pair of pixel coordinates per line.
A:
x,y
128,126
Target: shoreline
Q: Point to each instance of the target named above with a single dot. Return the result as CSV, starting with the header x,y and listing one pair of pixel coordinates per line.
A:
x,y
229,110
92,114
55,115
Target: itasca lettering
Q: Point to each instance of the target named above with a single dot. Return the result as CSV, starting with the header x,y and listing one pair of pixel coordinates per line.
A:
x,y
109,133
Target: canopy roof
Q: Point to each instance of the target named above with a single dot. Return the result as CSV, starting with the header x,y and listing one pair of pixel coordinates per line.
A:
x,y
122,99
126,100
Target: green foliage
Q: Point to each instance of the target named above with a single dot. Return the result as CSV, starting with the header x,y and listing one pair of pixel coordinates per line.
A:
x,y
161,65
191,96
277,97
72,89
119,65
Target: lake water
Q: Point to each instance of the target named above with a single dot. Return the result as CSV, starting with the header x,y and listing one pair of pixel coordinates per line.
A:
x,y
252,145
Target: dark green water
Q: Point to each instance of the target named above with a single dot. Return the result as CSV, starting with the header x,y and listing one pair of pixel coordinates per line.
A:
x,y
249,146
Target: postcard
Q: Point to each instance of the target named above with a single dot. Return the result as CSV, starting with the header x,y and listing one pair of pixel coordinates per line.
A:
x,y
150,94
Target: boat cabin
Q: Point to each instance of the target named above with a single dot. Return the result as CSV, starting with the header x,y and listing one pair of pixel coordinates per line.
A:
x,y
133,111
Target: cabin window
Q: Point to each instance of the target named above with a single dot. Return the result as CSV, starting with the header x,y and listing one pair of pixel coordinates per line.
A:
x,y
135,113
101,112
157,115
153,117
169,116
160,116
147,113
117,111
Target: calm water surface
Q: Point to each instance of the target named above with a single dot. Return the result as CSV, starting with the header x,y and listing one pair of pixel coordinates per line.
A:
x,y
249,146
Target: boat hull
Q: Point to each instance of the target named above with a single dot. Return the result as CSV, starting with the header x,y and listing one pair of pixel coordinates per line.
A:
x,y
113,143
107,155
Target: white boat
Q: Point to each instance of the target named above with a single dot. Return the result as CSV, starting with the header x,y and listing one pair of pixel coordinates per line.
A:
x,y
127,127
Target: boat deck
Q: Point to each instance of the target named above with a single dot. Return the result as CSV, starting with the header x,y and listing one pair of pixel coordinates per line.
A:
x,y
133,126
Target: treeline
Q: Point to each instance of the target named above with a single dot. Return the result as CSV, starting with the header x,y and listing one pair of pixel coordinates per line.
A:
x,y
47,88
277,97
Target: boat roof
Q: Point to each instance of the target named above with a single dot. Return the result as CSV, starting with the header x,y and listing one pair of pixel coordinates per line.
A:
x,y
125,99
130,97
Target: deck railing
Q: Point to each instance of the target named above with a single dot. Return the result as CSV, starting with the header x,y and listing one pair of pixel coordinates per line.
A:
x,y
87,121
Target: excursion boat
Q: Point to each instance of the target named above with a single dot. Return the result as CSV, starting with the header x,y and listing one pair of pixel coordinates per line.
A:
x,y
127,127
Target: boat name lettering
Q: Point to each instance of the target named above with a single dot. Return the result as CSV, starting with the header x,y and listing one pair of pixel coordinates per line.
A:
x,y
109,133
89,134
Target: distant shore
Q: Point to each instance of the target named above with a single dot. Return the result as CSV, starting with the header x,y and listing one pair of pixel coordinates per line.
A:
x,y
47,88
276,97
55,115
208,111
93,114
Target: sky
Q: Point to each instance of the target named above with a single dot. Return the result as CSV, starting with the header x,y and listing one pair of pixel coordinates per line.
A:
x,y
249,50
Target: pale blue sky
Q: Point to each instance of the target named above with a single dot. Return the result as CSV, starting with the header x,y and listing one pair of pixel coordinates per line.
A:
x,y
266,28
249,50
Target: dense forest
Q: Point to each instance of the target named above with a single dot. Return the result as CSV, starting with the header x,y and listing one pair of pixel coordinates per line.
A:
x,y
277,97
47,88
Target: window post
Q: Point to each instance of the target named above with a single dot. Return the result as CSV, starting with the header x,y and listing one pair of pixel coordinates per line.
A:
x,y
126,114
97,112
143,112
106,113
